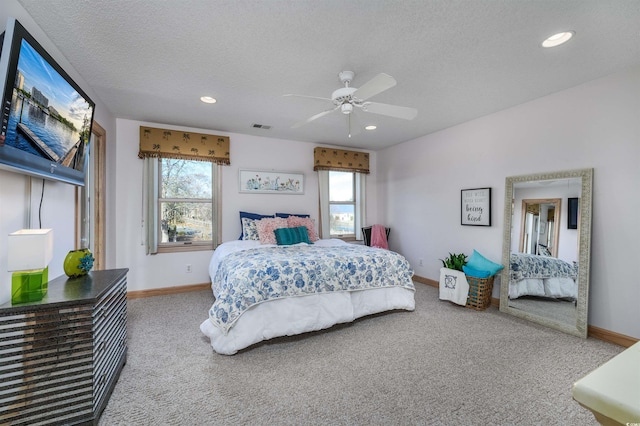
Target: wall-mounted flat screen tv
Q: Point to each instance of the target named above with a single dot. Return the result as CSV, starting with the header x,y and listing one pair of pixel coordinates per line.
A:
x,y
46,117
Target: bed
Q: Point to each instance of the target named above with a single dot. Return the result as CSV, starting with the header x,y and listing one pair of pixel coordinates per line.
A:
x,y
542,276
264,291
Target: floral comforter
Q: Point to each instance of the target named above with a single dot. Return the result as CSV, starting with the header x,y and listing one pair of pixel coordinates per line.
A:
x,y
249,277
535,266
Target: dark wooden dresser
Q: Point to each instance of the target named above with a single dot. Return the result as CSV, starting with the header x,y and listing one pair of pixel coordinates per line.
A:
x,y
60,357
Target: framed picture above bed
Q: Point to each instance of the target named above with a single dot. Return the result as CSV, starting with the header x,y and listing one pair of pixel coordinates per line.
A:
x,y
475,207
270,182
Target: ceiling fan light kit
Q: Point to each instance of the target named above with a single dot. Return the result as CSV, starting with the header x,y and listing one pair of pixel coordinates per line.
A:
x,y
348,98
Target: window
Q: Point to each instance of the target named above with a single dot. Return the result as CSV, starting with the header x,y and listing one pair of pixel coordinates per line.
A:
x,y
342,204
342,201
185,208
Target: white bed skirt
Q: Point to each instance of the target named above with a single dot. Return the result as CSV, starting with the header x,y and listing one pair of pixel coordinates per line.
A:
x,y
544,287
296,315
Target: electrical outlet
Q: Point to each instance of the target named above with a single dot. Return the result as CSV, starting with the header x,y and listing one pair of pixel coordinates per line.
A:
x,y
421,262
188,268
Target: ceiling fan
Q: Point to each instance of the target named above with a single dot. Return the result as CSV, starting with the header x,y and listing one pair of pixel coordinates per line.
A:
x,y
347,99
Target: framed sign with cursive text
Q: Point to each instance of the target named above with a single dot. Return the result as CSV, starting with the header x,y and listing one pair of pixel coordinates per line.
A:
x,y
475,207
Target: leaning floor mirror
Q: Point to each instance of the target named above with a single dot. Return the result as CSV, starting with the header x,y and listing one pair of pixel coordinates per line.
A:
x,y
546,249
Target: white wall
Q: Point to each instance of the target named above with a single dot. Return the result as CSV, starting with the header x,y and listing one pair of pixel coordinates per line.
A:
x,y
247,152
20,195
593,125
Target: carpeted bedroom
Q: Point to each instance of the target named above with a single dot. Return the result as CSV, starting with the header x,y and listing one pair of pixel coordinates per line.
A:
x,y
440,364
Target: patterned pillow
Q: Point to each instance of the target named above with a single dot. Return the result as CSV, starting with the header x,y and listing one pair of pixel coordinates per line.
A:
x,y
266,228
249,229
249,215
294,221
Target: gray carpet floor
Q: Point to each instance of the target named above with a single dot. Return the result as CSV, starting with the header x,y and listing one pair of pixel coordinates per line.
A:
x,y
563,311
442,364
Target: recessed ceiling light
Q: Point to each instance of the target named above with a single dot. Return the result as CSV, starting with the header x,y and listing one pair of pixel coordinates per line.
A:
x,y
208,100
371,127
558,39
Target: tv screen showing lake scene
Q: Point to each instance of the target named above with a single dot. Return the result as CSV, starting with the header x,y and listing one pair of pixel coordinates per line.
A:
x,y
48,117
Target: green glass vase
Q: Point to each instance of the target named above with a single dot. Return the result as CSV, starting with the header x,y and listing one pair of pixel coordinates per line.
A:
x,y
78,262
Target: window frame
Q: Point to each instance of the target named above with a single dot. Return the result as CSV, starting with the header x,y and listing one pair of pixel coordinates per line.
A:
x,y
188,246
354,203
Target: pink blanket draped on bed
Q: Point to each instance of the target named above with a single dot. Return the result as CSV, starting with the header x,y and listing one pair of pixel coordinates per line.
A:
x,y
379,237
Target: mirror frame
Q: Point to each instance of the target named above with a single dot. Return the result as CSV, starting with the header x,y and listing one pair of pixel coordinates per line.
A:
x,y
584,250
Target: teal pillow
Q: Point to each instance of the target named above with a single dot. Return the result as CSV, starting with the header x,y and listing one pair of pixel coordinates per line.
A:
x,y
288,236
480,263
475,273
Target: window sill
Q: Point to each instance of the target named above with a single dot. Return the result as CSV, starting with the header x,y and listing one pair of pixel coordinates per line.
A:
x,y
349,239
179,248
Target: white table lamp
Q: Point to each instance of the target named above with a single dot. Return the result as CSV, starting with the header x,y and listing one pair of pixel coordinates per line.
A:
x,y
28,257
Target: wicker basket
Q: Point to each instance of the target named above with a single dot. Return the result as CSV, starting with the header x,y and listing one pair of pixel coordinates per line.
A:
x,y
480,289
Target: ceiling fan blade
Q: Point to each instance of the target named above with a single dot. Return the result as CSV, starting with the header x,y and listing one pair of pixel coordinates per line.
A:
x,y
308,97
391,110
314,117
377,84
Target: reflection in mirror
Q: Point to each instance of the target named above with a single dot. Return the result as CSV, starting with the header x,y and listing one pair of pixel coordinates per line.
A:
x,y
539,233
547,275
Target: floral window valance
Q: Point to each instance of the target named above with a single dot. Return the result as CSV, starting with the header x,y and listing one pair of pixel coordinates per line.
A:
x,y
340,160
183,145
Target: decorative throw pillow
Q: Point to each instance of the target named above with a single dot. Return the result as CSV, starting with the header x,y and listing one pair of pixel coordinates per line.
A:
x,y
286,215
266,228
288,236
310,224
480,263
254,216
249,229
543,250
475,273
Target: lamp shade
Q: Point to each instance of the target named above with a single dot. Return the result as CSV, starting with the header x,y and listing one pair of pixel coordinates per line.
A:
x,y
29,249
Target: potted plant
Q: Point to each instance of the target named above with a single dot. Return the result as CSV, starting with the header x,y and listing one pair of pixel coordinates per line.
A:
x,y
455,261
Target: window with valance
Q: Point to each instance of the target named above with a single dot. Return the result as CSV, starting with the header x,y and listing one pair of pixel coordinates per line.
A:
x,y
181,208
177,144
341,217
340,160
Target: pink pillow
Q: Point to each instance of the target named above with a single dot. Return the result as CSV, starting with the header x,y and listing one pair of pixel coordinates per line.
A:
x,y
295,221
267,226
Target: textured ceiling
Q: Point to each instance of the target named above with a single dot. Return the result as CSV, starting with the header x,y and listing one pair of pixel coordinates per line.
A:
x,y
454,60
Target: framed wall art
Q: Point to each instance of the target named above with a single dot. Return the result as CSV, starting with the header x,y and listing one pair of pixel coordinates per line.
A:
x,y
475,207
269,182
